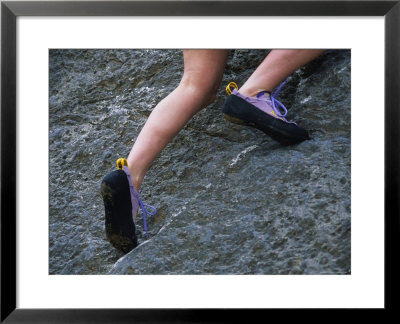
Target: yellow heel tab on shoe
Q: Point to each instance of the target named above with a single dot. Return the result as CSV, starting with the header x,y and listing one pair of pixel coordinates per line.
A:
x,y
231,85
121,162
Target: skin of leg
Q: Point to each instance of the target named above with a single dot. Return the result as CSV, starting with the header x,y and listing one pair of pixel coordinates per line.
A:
x,y
275,68
203,70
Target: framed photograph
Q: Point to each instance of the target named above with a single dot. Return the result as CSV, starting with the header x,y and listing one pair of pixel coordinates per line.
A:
x,y
242,221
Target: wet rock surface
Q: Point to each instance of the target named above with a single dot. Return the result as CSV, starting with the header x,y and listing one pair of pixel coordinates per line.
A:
x,y
230,200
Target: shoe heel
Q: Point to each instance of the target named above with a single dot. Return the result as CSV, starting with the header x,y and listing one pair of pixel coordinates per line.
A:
x,y
119,225
234,120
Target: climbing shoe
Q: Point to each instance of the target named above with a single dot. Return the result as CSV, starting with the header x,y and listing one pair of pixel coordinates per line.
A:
x,y
263,112
121,204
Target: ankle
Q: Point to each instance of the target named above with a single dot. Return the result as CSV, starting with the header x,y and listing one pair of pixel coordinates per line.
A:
x,y
136,178
250,92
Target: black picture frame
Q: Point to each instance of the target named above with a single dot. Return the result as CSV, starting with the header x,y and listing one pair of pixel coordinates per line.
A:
x,y
10,10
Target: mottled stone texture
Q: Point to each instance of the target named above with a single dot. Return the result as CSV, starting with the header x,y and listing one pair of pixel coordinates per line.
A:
x,y
230,200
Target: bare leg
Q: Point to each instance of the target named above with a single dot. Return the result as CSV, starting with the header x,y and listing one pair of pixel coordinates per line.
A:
x,y
275,68
203,70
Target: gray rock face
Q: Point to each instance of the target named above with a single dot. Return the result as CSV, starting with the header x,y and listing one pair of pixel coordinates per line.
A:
x,y
230,200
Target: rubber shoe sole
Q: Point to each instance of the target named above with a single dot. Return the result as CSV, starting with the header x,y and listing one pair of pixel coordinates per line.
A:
x,y
239,111
119,226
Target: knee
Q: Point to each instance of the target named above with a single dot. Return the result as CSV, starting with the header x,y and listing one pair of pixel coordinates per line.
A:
x,y
204,87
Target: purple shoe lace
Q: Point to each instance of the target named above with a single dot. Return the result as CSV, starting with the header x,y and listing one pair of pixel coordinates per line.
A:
x,y
261,101
276,101
137,202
